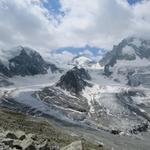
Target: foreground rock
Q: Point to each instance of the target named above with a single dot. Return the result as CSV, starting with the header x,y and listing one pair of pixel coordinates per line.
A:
x,y
20,141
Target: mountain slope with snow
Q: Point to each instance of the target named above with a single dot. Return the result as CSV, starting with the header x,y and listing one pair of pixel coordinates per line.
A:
x,y
128,49
129,62
23,61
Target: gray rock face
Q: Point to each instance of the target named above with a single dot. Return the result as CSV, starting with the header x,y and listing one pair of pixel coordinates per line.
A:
x,y
74,80
107,71
72,107
26,62
120,59
140,48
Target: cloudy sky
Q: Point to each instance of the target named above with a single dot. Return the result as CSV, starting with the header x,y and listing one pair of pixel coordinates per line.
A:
x,y
48,25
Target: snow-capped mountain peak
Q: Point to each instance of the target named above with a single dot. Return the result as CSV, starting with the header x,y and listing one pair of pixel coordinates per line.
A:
x,y
23,61
128,49
86,62
82,60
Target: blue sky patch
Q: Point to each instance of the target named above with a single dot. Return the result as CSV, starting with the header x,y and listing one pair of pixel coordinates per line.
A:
x,y
53,5
133,1
77,50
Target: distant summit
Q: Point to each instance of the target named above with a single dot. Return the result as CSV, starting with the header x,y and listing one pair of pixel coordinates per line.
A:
x,y
23,61
128,49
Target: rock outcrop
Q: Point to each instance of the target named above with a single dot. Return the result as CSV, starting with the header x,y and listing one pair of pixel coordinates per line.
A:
x,y
74,80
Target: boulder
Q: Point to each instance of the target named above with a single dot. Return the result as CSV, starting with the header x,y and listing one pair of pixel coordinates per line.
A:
x,y
11,135
8,142
32,136
20,135
17,144
28,145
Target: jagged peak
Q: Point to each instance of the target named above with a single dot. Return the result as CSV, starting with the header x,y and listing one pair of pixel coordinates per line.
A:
x,y
130,48
74,80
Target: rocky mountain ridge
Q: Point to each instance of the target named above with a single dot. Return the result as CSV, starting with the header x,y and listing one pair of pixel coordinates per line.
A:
x,y
24,61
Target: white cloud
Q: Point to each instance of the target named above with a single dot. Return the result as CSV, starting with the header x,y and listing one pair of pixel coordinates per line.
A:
x,y
60,58
24,22
100,23
87,53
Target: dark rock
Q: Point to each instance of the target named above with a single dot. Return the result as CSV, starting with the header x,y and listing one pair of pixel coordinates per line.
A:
x,y
140,128
82,73
8,142
17,145
115,132
74,80
11,135
107,71
27,62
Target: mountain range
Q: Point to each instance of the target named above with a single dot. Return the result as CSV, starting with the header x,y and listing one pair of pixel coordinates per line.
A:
x,y
109,96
